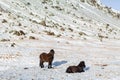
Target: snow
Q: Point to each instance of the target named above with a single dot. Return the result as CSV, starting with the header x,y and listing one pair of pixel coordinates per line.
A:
x,y
26,55
78,24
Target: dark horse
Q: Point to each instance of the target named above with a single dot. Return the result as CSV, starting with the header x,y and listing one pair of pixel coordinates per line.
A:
x,y
74,69
46,57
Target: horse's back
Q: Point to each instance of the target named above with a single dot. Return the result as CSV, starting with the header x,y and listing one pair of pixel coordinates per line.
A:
x,y
74,69
71,69
45,57
42,55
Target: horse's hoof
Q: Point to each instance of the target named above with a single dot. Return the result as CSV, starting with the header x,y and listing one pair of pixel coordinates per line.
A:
x,y
41,66
50,67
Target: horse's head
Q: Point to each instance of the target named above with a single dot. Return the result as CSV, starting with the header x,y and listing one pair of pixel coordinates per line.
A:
x,y
82,64
52,51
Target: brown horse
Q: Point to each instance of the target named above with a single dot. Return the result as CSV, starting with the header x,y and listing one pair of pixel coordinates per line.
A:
x,y
74,69
46,57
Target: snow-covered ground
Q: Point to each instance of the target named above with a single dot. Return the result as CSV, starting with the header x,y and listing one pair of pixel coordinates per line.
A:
x,y
102,59
76,31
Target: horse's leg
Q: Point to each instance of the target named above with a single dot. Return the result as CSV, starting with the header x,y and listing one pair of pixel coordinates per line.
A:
x,y
50,64
41,64
80,69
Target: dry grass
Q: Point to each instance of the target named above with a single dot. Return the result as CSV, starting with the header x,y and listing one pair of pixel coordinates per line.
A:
x,y
4,40
50,33
82,33
32,37
18,33
9,56
13,45
43,22
82,0
4,21
70,29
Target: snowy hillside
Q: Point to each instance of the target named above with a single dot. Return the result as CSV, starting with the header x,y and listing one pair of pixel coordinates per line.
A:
x,y
61,18
76,29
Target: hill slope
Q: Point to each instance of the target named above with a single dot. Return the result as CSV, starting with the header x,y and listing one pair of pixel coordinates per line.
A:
x,y
76,29
75,18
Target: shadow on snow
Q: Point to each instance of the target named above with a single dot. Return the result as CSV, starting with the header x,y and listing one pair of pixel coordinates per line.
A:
x,y
58,63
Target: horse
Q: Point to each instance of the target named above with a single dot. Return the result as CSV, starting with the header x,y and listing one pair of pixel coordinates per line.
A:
x,y
46,57
75,69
